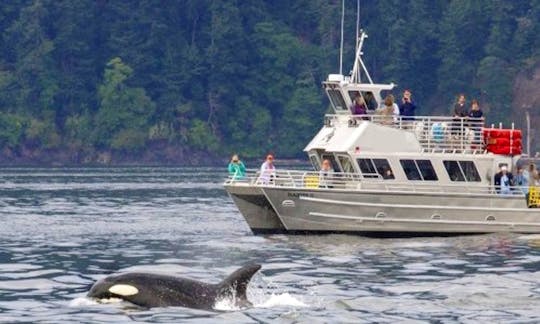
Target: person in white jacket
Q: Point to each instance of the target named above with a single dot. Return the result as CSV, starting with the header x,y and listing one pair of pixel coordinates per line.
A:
x,y
268,170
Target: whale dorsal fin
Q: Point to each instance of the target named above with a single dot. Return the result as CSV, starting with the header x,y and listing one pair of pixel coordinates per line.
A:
x,y
238,281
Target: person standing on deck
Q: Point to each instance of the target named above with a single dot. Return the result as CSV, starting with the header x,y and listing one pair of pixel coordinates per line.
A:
x,y
460,111
325,174
268,170
476,118
407,107
504,181
237,169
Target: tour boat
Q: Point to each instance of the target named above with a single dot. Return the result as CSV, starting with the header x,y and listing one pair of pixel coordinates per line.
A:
x,y
392,175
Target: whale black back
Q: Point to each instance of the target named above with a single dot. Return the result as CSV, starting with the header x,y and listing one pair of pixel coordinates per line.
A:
x,y
154,290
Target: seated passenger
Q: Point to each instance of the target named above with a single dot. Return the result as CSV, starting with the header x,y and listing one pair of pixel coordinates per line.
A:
x,y
326,174
388,175
359,106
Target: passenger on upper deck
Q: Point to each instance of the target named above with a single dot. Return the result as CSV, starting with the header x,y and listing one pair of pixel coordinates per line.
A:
x,y
476,118
475,112
388,109
407,107
460,109
359,106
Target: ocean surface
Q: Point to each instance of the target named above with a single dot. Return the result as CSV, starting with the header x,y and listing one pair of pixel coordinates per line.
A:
x,y
62,229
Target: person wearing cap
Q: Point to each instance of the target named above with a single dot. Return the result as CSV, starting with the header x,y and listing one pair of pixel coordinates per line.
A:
x,y
237,169
504,181
268,170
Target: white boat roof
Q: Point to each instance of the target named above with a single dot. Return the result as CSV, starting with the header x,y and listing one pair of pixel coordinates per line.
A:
x,y
365,137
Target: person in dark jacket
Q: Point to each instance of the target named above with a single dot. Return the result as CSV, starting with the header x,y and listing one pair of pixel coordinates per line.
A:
x,y
407,107
460,108
475,112
460,111
476,121
504,181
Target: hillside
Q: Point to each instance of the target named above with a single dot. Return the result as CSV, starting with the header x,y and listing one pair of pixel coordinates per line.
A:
x,y
191,81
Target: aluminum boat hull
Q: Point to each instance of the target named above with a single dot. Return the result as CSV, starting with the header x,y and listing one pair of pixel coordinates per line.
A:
x,y
319,210
278,209
256,209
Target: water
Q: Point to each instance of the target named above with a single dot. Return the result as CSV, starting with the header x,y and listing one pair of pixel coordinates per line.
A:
x,y
62,229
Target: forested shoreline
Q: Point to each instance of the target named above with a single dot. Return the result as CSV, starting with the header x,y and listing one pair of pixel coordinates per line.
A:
x,y
190,82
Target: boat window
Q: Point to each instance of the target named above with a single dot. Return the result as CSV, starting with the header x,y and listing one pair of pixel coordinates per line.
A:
x,y
336,99
367,168
315,162
471,173
353,95
368,96
383,167
411,170
346,164
427,171
332,160
454,171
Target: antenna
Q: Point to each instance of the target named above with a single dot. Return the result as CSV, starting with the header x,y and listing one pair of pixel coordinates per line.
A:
x,y
357,21
341,46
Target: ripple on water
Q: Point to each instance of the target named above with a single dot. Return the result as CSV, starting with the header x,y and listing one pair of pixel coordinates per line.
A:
x,y
62,229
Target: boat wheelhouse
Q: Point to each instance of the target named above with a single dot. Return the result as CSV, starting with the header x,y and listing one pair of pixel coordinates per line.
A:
x,y
392,174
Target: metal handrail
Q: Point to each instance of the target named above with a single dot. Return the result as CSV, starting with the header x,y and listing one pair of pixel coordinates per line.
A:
x,y
436,134
357,182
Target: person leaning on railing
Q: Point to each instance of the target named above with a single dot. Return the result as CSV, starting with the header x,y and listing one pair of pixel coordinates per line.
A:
x,y
237,169
476,118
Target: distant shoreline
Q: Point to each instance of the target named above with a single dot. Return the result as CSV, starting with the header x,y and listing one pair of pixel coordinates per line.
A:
x,y
153,156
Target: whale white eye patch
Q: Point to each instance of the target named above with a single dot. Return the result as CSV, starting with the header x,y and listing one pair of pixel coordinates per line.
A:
x,y
124,290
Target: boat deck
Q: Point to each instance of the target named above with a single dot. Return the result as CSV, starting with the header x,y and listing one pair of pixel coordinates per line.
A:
x,y
354,182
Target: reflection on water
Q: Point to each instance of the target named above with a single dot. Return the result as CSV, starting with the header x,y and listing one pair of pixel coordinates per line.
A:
x,y
62,229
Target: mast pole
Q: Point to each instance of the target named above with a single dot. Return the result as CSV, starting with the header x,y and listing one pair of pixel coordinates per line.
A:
x,y
358,31
341,46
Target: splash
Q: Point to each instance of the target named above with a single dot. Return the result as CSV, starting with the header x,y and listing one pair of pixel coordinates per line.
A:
x,y
285,299
84,301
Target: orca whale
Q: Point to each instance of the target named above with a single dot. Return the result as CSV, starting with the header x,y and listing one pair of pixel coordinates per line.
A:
x,y
154,290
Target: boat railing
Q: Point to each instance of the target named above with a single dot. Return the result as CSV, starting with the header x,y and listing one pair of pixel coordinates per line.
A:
x,y
436,134
317,180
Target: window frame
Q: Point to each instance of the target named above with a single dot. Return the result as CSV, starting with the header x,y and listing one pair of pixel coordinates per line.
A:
x,y
465,176
336,94
314,159
351,164
402,161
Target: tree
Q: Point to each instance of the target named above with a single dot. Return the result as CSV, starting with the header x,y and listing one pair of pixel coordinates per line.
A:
x,y
123,116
